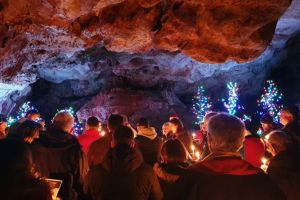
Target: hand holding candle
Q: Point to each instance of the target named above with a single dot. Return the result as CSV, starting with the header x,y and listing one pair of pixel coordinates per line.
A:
x,y
264,165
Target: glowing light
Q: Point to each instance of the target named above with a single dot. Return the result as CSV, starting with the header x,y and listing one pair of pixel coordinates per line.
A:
x,y
201,105
231,104
264,165
21,113
197,155
270,101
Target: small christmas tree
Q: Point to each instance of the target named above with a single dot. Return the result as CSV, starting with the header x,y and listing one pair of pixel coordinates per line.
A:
x,y
201,105
21,113
231,104
270,101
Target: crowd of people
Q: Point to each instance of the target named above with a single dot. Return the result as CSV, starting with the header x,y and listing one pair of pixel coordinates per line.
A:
x,y
116,160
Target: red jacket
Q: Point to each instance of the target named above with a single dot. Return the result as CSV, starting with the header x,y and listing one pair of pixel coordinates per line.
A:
x,y
87,138
254,150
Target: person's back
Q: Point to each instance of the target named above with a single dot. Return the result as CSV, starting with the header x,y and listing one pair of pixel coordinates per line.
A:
x,y
122,175
284,166
227,179
254,150
98,149
91,134
58,155
223,175
17,178
148,142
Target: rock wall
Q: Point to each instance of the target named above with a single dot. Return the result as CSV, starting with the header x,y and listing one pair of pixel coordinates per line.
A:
x,y
71,51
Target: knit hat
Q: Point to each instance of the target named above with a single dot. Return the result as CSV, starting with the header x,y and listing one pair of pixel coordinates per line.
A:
x,y
266,119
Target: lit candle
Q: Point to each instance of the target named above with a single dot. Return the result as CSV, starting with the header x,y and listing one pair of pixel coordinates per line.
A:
x,y
194,135
264,165
193,151
102,133
267,137
198,155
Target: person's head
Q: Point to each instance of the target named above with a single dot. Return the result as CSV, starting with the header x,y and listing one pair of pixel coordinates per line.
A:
x,y
267,123
206,118
173,151
63,121
114,121
122,135
93,123
28,131
3,123
166,128
32,115
16,157
289,114
225,133
278,141
176,125
142,123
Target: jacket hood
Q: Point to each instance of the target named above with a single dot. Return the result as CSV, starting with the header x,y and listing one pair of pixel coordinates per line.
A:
x,y
221,163
122,159
169,172
55,138
148,132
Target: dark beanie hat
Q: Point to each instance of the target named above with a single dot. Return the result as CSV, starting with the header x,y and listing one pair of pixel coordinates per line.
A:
x,y
266,119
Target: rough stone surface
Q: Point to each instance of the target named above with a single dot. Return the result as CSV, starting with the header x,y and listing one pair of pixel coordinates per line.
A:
x,y
135,104
152,45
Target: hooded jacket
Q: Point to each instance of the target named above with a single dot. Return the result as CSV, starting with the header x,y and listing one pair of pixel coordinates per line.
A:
x,y
284,169
149,144
168,174
254,150
225,176
58,155
122,175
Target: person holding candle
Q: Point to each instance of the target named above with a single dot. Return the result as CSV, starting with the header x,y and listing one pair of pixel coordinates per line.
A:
x,y
174,158
223,174
284,167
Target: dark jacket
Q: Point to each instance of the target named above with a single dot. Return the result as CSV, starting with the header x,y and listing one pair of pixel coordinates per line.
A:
x,y
168,174
284,169
149,144
58,155
226,177
98,149
122,175
293,130
21,186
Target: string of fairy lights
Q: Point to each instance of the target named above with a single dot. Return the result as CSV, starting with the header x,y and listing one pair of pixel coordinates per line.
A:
x,y
269,102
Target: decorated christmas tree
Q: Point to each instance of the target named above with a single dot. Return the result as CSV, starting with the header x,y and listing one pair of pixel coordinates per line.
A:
x,y
21,113
201,105
270,101
231,104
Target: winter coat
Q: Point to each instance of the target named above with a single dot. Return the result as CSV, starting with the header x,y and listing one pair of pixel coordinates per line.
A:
x,y
225,176
87,138
24,186
168,174
98,150
284,169
254,150
293,130
122,175
149,144
58,155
